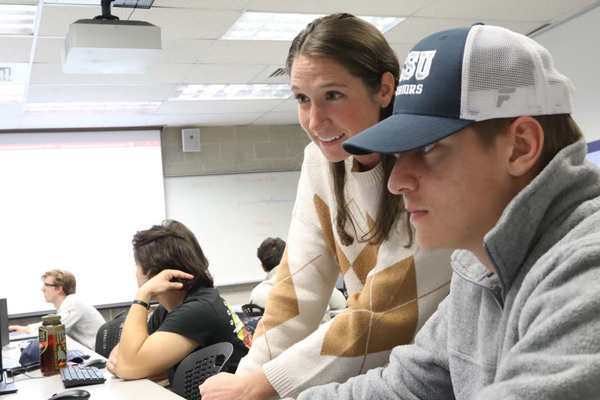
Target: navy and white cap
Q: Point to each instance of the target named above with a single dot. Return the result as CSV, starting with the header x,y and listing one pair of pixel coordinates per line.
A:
x,y
456,77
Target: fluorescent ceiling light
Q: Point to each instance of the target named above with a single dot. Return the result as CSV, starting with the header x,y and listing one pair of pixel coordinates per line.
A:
x,y
284,26
92,108
232,92
12,93
17,19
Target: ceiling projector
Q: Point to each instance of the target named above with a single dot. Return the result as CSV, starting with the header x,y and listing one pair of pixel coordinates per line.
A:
x,y
101,46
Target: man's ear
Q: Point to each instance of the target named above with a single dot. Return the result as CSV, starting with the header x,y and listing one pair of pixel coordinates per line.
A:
x,y
386,90
527,136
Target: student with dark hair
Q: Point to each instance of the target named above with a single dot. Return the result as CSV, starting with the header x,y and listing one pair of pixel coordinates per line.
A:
x,y
343,73
171,268
81,319
269,253
490,161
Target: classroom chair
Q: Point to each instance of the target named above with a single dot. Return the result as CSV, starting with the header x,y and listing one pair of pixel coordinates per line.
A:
x,y
252,310
199,366
109,334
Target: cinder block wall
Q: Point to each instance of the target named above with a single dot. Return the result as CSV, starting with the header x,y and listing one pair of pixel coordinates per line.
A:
x,y
235,149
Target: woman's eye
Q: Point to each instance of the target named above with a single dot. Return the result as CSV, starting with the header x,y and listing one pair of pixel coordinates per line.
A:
x,y
333,95
301,98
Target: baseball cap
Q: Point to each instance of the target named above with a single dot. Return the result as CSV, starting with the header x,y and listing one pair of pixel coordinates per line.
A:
x,y
454,78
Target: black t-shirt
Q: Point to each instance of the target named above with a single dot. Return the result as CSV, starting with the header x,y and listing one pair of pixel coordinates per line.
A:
x,y
205,318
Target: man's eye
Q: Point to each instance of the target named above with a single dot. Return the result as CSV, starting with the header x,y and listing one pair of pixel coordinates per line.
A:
x,y
427,149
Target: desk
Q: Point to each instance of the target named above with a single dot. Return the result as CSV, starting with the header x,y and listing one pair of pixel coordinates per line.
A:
x,y
42,387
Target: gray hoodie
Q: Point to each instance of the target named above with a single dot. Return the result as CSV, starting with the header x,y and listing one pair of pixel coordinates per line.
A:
x,y
529,331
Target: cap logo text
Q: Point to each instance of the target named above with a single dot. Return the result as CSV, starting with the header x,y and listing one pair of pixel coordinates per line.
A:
x,y
417,64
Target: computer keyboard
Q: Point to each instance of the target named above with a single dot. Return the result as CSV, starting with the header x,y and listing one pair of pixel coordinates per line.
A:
x,y
81,376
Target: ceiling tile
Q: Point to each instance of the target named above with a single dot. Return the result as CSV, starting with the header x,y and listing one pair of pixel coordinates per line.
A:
x,y
47,73
83,121
90,93
376,8
217,106
246,52
290,105
15,49
414,29
56,18
202,4
183,51
222,73
179,23
506,10
264,75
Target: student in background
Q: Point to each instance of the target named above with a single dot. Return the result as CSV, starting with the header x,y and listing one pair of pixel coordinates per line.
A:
x,y
81,319
269,253
171,268
490,161
343,74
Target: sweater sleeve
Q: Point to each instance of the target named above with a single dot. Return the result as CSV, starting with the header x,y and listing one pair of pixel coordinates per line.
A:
x,y
305,280
418,371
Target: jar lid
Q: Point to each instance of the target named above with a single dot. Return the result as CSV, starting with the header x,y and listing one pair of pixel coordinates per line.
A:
x,y
51,318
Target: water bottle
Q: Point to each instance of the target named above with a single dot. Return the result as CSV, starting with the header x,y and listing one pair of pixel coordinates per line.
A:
x,y
53,345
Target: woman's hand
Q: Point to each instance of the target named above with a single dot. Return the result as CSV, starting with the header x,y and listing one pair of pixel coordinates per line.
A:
x,y
162,283
224,386
111,364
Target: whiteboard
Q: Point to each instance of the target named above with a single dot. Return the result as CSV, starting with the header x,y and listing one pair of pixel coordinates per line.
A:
x,y
231,215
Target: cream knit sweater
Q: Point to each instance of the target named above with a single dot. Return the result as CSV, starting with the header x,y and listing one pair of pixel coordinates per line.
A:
x,y
392,289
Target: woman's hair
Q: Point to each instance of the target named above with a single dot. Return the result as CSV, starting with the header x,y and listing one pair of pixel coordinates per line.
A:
x,y
63,278
171,245
360,48
270,252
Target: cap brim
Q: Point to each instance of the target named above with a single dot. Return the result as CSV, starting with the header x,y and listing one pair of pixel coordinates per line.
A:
x,y
400,133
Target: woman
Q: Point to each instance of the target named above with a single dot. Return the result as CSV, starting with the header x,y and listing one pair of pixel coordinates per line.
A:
x,y
344,75
172,269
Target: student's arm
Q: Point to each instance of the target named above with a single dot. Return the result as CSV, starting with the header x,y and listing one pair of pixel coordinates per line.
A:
x,y
418,371
557,355
141,355
19,328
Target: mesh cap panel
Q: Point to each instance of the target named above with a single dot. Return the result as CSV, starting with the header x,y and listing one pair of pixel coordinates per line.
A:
x,y
509,75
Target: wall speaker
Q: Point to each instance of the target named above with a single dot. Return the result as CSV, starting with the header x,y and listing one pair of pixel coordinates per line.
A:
x,y
190,139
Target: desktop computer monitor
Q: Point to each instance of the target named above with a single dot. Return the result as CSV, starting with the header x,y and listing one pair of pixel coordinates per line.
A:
x,y
3,323
593,154
4,387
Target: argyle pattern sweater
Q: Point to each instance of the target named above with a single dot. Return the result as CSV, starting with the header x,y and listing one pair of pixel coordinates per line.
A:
x,y
392,289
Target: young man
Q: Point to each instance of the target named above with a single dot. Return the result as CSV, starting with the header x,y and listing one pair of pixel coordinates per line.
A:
x,y
490,162
81,319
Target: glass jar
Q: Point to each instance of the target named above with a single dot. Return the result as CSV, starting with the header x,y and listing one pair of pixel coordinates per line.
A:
x,y
53,344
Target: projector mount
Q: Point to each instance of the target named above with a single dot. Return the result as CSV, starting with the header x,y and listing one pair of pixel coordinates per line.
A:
x,y
106,5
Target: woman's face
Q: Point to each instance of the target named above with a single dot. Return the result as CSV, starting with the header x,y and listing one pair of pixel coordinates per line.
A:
x,y
334,105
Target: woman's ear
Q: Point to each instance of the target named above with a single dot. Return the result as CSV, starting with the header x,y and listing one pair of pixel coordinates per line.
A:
x,y
527,140
386,90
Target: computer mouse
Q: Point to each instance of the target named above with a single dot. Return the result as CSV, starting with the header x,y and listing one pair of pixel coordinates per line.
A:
x,y
71,394
95,362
